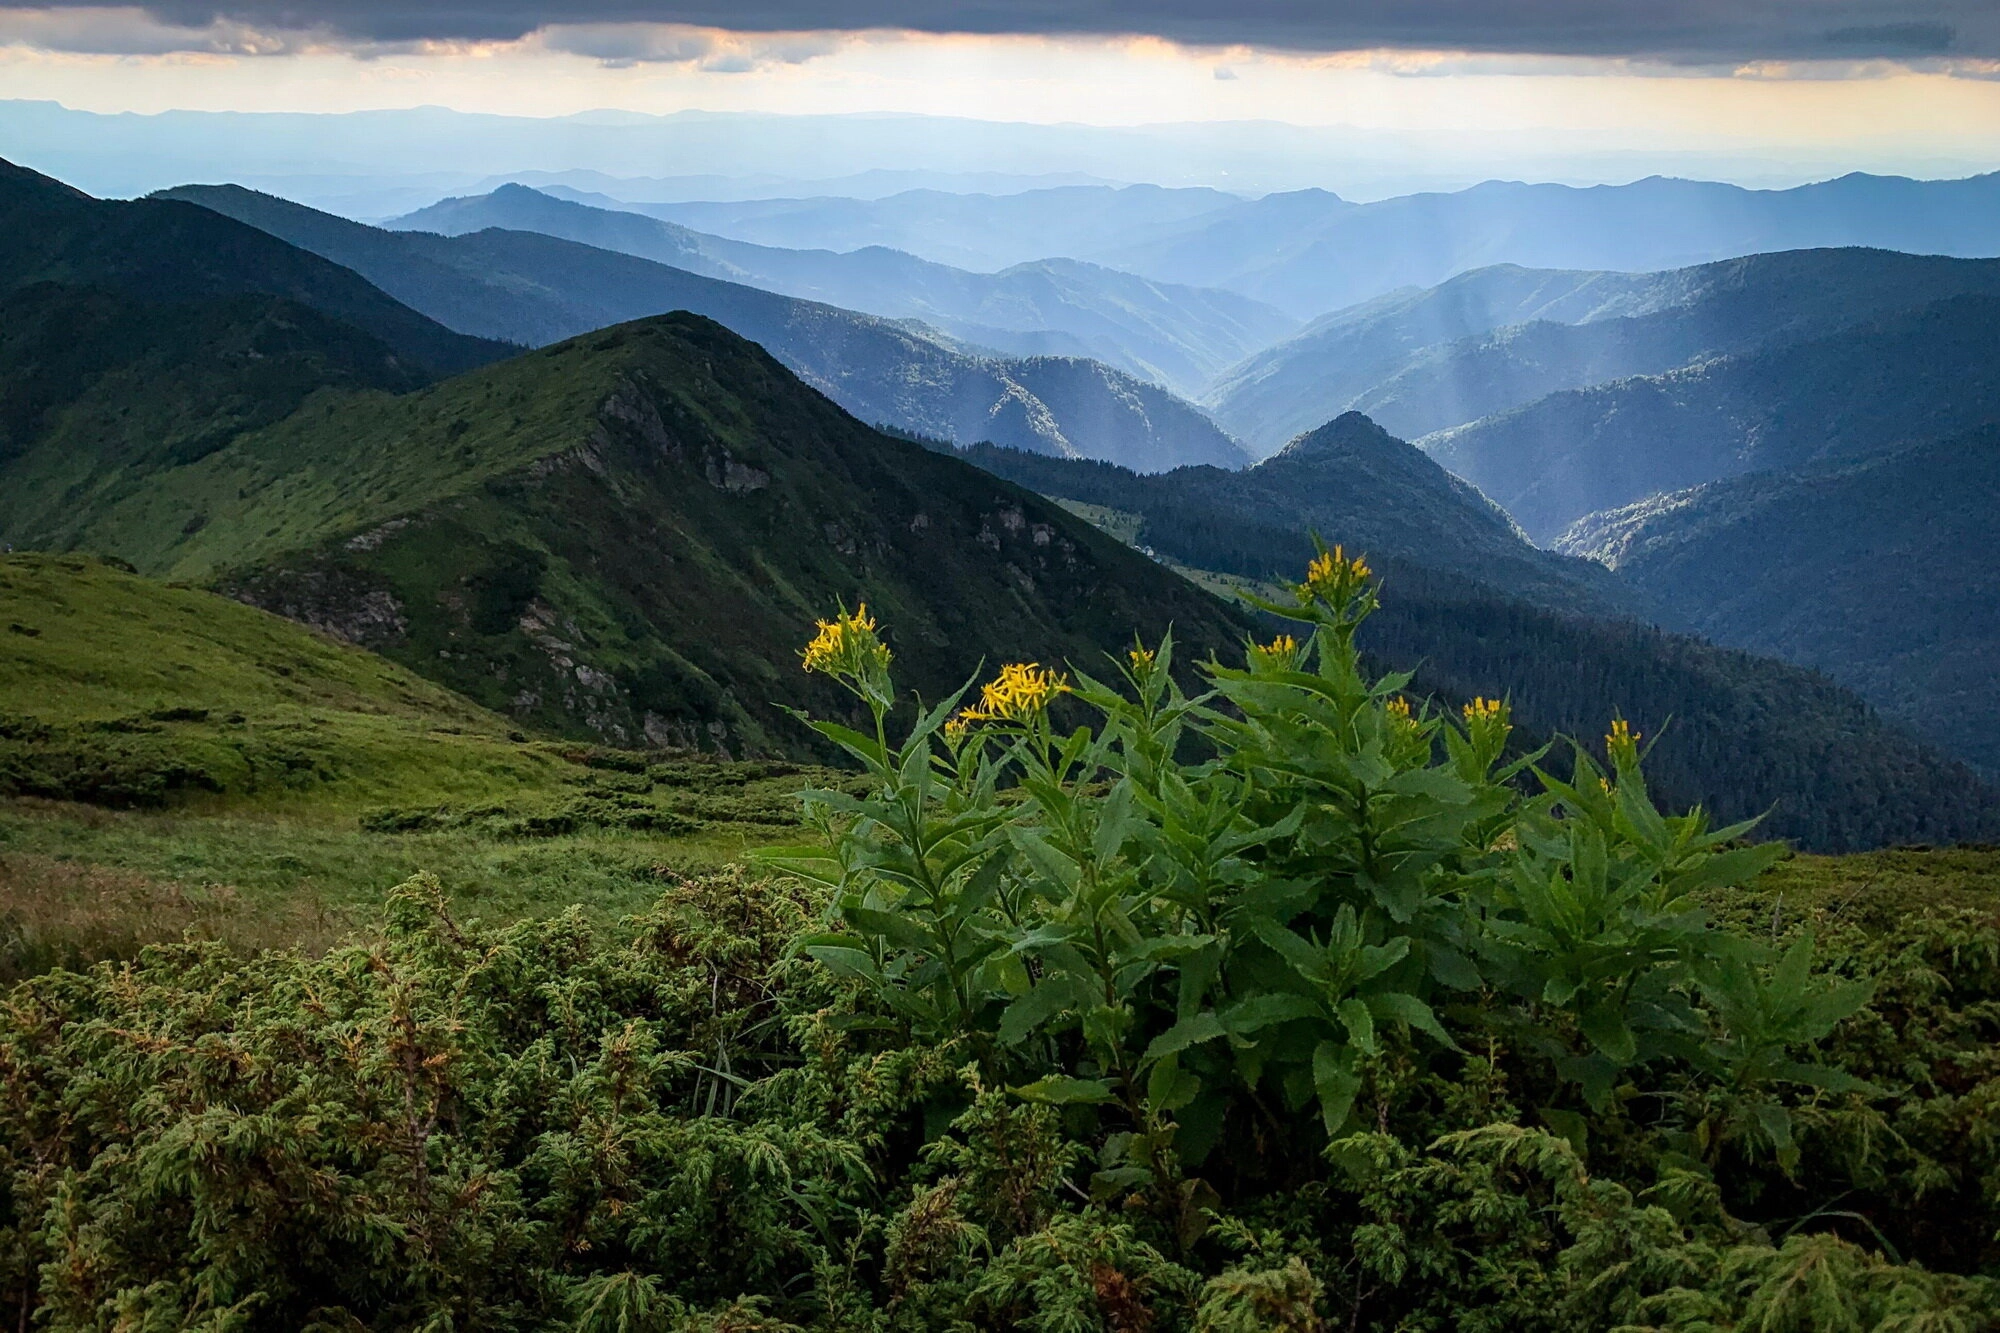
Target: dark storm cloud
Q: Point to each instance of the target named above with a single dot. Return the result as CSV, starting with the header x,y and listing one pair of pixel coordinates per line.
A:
x,y
1686,31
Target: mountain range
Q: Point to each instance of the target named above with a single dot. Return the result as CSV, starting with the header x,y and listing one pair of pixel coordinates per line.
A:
x,y
1177,336
1894,379
535,289
624,535
1757,447
1500,337
1311,252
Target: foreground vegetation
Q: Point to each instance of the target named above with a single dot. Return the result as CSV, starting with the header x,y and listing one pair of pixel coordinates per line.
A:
x,y
1096,1006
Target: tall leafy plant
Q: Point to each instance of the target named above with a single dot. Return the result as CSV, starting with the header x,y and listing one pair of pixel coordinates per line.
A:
x,y
1186,907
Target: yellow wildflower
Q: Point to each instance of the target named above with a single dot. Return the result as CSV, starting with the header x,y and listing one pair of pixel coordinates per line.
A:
x,y
1399,707
1021,691
1621,743
1334,579
1482,709
847,645
1280,654
1141,659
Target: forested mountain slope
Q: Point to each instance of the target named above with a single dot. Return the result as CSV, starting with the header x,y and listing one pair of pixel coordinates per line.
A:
x,y
1879,572
1351,482
539,289
1736,732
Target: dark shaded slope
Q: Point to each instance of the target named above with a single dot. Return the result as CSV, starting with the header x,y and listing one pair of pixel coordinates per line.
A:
x,y
1880,573
162,250
100,393
540,289
1351,482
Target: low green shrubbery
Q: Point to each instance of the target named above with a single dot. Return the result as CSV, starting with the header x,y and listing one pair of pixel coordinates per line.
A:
x,y
1287,1005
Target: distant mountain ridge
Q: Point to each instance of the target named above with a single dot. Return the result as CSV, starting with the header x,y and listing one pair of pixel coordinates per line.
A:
x,y
164,250
1311,252
1897,379
980,231
1497,338
1177,336
540,289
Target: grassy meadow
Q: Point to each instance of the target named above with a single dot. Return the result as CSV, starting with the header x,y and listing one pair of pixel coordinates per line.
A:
x,y
172,761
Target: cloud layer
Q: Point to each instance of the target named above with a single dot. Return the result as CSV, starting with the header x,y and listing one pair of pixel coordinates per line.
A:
x,y
1701,32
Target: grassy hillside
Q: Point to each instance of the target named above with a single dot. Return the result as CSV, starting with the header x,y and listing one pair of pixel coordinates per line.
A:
x,y
99,392
1897,380
540,289
164,250
123,691
172,760
1879,573
1498,338
1741,734
630,534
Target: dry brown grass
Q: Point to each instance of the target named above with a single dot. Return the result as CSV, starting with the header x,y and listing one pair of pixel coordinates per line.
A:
x,y
61,913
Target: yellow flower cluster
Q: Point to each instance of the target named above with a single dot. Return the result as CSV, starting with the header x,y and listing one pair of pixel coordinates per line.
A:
x,y
847,644
1400,717
1281,653
1621,743
1141,659
1482,709
1333,578
1020,692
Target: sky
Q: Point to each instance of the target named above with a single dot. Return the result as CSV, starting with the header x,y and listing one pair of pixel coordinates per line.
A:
x,y
1567,88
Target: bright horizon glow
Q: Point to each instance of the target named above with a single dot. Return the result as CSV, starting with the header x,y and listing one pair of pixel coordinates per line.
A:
x,y
1806,121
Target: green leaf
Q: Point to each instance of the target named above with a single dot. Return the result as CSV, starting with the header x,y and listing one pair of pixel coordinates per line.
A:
x,y
1409,1009
1605,1025
1336,1082
1038,1006
845,960
1261,1011
1169,1087
891,926
1062,1090
1360,1024
1308,961
1115,821
1051,864
1453,968
1188,1032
